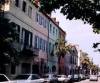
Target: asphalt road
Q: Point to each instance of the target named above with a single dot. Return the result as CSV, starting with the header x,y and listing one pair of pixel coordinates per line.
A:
x,y
88,81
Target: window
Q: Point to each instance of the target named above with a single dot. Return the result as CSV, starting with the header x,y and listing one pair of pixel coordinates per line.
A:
x,y
49,47
16,3
45,23
22,36
43,45
24,6
56,31
30,39
40,44
40,20
36,41
53,30
37,17
28,36
53,47
26,39
50,28
18,32
30,11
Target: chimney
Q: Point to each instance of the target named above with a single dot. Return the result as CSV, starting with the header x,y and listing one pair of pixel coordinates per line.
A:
x,y
57,23
37,2
54,19
49,15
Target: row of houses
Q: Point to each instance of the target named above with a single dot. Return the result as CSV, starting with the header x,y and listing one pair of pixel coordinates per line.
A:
x,y
38,32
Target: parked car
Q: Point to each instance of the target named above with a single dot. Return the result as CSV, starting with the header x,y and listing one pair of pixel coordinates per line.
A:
x,y
76,77
87,76
70,78
93,78
62,78
4,79
98,75
50,78
73,78
28,78
82,77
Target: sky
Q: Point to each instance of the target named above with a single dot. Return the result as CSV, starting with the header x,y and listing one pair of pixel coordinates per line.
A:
x,y
79,33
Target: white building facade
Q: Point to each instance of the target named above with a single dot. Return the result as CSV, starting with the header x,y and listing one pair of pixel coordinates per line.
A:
x,y
37,32
33,34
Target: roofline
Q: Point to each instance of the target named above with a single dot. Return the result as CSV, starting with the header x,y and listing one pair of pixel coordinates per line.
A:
x,y
54,22
50,19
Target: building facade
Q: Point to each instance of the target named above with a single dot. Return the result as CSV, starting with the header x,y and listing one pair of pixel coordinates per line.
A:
x,y
53,36
33,35
37,35
71,60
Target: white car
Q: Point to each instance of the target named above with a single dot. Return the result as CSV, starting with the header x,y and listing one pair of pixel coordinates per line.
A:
x,y
4,79
28,78
62,78
93,78
50,78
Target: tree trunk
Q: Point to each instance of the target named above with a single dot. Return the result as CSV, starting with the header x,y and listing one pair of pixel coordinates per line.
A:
x,y
61,68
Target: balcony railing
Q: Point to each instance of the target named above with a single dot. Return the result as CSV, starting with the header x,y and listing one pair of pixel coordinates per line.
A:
x,y
36,51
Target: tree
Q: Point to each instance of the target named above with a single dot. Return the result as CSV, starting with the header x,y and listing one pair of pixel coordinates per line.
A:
x,y
86,64
61,49
86,10
8,35
96,46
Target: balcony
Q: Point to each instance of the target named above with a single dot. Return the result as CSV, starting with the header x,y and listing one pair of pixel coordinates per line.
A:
x,y
29,52
36,51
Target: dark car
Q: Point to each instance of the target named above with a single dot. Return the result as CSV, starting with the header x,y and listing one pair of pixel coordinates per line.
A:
x,y
70,77
74,78
87,76
77,77
4,79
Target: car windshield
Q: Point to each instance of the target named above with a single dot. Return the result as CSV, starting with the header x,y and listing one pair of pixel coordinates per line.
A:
x,y
61,76
58,76
3,78
69,76
45,76
93,76
75,76
21,77
35,77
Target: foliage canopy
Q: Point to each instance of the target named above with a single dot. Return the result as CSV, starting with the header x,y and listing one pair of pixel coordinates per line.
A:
x,y
61,48
8,35
86,10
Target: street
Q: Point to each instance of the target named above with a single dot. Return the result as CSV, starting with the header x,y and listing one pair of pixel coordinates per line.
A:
x,y
88,81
